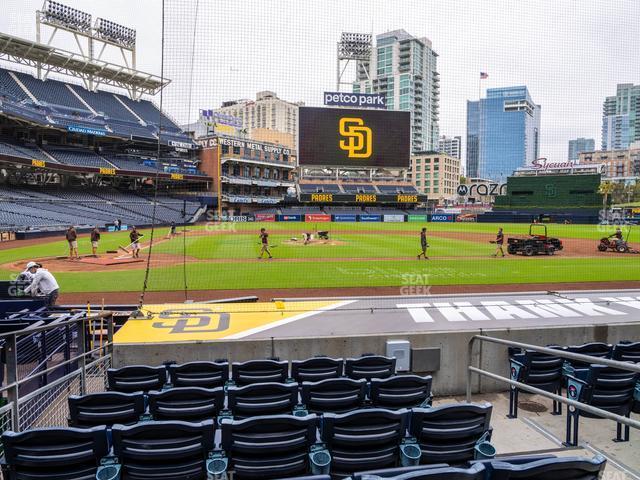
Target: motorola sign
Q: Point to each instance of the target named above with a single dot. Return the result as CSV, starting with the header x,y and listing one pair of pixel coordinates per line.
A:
x,y
463,190
481,189
357,100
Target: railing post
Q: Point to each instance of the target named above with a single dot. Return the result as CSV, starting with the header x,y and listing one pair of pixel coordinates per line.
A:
x,y
13,393
81,355
469,362
110,333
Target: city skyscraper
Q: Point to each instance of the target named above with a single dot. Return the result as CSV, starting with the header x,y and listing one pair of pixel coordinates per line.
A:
x,y
621,118
503,133
404,68
452,146
580,145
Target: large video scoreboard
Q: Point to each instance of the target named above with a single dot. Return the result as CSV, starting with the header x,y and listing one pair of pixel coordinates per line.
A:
x,y
353,137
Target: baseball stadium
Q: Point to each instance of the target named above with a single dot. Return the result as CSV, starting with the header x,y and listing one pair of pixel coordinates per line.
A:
x,y
310,290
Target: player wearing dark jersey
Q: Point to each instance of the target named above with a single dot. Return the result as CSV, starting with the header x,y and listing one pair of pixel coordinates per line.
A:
x,y
499,243
264,240
423,244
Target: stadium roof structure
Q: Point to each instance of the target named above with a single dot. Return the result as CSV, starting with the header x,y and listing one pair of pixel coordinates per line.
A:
x,y
91,71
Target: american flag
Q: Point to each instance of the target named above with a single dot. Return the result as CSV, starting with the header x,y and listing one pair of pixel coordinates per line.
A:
x,y
484,75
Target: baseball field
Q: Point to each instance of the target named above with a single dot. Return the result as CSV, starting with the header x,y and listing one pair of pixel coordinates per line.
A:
x,y
363,255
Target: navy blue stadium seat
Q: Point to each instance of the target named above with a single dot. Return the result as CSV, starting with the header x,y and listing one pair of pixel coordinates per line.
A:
x,y
262,399
430,472
105,408
163,450
626,352
315,369
53,453
336,395
370,366
199,374
561,468
593,349
275,446
188,404
607,388
136,378
450,433
402,391
538,370
259,371
364,439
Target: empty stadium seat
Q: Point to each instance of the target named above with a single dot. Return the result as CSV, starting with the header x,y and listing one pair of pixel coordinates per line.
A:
x,y
164,450
105,408
402,391
136,378
199,374
431,472
269,447
189,404
450,433
538,370
626,352
560,468
607,388
315,369
593,349
259,371
370,366
262,399
336,395
365,439
53,453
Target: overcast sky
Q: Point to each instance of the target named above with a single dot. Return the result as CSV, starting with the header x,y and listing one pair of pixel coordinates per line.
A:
x,y
570,54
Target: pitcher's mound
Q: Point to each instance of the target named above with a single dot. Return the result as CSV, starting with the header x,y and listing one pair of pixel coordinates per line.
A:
x,y
110,261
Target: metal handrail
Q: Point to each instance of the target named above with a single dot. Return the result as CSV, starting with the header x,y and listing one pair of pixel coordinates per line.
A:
x,y
558,398
30,330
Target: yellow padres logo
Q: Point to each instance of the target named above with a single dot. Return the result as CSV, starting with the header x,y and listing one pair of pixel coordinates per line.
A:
x,y
358,138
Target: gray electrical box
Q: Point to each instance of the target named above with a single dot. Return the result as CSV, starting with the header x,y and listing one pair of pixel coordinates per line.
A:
x,y
401,349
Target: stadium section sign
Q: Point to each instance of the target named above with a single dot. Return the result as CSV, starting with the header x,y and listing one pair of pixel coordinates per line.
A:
x,y
341,99
353,138
86,130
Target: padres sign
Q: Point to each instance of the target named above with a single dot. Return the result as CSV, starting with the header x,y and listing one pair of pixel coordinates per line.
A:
x,y
357,138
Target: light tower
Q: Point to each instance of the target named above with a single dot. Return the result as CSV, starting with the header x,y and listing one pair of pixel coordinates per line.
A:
x,y
352,46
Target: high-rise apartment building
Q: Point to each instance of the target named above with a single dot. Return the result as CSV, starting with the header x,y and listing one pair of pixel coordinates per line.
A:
x,y
404,68
503,133
621,118
452,146
579,145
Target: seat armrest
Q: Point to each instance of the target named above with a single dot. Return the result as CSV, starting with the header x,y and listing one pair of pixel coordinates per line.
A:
x,y
428,402
516,369
575,386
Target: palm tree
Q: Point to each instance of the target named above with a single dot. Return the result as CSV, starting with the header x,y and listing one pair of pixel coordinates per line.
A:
x,y
606,188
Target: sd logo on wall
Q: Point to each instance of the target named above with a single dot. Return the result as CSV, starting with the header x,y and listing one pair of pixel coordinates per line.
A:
x,y
357,138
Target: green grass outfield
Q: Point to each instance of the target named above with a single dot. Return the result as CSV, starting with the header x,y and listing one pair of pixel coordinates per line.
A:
x,y
366,254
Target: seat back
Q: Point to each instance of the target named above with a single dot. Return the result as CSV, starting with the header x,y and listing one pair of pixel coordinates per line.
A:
x,y
474,472
542,371
609,388
163,450
105,408
259,371
448,434
402,391
593,349
189,404
565,468
364,439
199,374
316,369
394,472
54,453
336,395
136,378
370,366
275,446
627,352
262,399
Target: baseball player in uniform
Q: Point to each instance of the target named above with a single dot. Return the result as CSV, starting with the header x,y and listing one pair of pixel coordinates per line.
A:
x,y
95,239
134,236
264,240
72,239
499,243
423,244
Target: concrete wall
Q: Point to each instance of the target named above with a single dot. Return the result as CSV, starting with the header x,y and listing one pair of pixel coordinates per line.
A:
x,y
450,379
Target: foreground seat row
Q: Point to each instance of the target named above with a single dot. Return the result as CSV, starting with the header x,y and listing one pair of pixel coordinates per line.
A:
x,y
336,395
264,447
136,378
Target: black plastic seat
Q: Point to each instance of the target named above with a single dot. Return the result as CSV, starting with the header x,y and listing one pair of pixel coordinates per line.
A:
x,y
335,395
269,447
442,472
136,378
53,453
402,391
626,352
449,433
593,349
561,468
163,450
365,439
199,374
259,371
607,388
538,370
262,399
316,369
370,366
188,404
105,408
